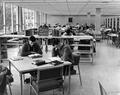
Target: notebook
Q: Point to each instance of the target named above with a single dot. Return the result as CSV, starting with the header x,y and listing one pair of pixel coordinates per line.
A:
x,y
16,58
39,62
55,61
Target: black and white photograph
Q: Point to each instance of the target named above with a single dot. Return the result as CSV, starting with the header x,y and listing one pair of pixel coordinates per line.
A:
x,y
59,47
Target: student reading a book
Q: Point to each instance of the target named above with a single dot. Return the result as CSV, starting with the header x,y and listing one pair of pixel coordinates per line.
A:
x,y
64,51
30,47
55,49
66,54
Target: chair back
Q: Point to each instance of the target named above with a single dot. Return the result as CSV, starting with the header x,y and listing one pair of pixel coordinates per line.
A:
x,y
102,90
51,73
76,58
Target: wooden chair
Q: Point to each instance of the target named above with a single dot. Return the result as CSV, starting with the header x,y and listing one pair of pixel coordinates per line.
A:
x,y
47,79
76,58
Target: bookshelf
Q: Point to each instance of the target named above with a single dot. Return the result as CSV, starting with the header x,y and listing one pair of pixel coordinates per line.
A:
x,y
84,47
3,49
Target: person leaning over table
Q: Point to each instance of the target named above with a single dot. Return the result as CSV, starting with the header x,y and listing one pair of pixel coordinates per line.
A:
x,y
64,51
66,55
30,47
55,49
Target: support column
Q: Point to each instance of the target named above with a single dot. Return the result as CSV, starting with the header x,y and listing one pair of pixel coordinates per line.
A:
x,y
4,16
115,23
20,21
106,23
119,22
23,19
37,19
45,18
88,19
17,21
40,18
98,20
12,25
111,22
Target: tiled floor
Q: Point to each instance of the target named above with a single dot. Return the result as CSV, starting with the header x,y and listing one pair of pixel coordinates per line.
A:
x,y
106,69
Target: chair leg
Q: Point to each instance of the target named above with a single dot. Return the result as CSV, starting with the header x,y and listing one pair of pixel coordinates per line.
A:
x,y
10,89
63,91
53,92
79,75
30,90
65,73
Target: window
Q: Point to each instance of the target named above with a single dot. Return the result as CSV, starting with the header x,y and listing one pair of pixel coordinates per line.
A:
x,y
8,18
1,18
70,19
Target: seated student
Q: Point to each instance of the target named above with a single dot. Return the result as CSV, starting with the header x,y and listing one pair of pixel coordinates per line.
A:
x,y
30,47
90,32
55,50
65,53
69,31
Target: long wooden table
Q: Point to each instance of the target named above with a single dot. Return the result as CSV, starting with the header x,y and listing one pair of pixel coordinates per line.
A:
x,y
15,40
37,36
24,65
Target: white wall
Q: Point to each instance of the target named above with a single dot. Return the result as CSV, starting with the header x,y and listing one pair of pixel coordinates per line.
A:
x,y
82,19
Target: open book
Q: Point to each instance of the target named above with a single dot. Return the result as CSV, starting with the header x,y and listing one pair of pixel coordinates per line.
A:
x,y
16,58
36,55
39,62
55,58
55,61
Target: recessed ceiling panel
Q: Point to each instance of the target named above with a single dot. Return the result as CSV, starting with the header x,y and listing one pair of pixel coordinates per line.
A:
x,y
70,7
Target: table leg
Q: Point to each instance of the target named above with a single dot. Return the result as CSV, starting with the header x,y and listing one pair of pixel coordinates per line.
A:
x,y
21,83
46,43
69,81
9,65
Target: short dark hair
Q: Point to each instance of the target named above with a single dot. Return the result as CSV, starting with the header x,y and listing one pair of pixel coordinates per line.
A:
x,y
32,38
56,41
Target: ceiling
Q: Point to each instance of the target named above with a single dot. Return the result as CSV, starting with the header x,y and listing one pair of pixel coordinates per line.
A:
x,y
70,7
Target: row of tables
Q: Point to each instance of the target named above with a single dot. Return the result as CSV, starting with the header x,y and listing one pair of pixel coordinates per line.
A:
x,y
25,65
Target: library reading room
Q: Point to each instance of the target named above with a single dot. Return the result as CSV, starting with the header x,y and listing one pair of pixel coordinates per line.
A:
x,y
59,47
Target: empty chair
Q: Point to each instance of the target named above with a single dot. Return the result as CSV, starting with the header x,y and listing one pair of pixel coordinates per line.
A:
x,y
47,79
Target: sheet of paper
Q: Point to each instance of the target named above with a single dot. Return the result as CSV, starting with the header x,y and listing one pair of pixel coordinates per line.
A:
x,y
16,58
